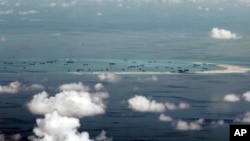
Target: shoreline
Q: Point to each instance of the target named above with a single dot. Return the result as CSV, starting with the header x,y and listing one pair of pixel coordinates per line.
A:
x,y
227,69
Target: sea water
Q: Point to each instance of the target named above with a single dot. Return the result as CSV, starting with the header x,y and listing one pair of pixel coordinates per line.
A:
x,y
135,60
186,65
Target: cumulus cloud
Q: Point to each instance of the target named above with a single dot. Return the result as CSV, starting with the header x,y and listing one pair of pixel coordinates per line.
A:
x,y
74,86
103,137
217,123
15,87
246,96
185,126
231,98
109,77
99,87
34,87
55,127
172,106
244,118
69,103
223,34
142,104
192,125
182,125
29,12
165,118
234,98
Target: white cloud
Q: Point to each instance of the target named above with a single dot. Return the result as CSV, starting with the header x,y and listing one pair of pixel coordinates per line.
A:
x,y
217,123
244,118
223,34
172,106
183,105
28,12
246,96
103,137
142,104
234,98
231,98
15,87
99,87
68,4
162,117
185,126
109,77
55,127
192,125
69,103
74,86
34,87
7,12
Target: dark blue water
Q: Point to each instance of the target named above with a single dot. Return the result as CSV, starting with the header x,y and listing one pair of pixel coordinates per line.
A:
x,y
204,93
51,61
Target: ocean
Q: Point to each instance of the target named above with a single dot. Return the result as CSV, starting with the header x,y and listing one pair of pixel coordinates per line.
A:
x,y
158,81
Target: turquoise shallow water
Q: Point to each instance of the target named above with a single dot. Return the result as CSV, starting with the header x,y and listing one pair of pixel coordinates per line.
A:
x,y
94,66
